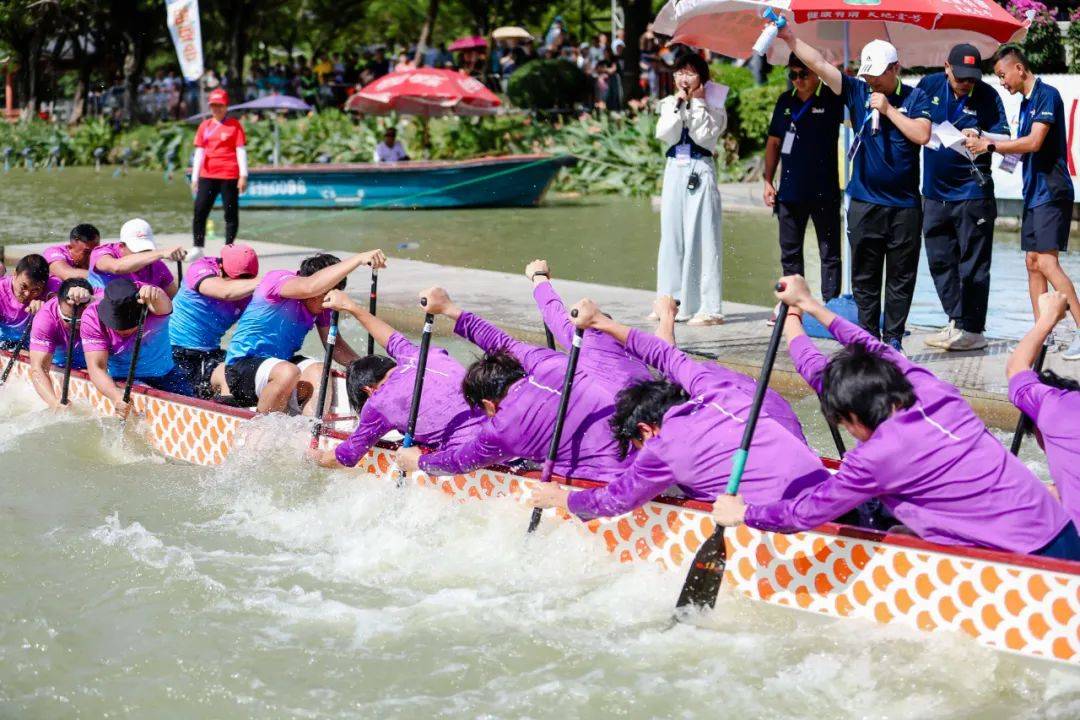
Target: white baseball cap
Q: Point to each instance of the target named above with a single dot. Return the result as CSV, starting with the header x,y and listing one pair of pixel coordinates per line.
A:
x,y
877,55
137,235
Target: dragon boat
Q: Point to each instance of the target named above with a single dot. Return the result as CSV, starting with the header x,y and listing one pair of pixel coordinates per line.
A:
x,y
1014,603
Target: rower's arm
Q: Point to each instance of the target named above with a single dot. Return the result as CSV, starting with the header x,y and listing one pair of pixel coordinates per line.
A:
x,y
325,280
223,289
130,263
373,324
64,271
97,365
40,362
822,503
1027,350
553,311
372,426
490,338
809,361
813,59
482,451
647,478
673,364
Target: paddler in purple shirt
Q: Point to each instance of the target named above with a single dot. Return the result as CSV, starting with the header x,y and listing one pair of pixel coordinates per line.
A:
x,y
22,294
50,335
380,391
686,429
1052,402
922,451
72,260
518,387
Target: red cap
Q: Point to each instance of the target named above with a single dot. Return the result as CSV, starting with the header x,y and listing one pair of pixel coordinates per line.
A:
x,y
218,97
239,260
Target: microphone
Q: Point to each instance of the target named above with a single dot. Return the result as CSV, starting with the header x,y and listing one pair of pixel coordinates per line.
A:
x,y
875,120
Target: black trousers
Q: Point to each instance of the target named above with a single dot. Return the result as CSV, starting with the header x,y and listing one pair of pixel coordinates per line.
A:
x,y
959,239
884,245
207,193
793,218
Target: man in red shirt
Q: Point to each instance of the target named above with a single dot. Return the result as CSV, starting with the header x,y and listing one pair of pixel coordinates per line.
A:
x,y
219,168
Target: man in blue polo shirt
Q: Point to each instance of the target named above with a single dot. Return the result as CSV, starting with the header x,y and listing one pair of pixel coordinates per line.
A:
x,y
802,139
958,199
1048,188
891,121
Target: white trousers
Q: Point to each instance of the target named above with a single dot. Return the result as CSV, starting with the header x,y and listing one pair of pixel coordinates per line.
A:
x,y
690,267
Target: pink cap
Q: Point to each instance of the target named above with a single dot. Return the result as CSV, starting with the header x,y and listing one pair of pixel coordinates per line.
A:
x,y
238,260
218,97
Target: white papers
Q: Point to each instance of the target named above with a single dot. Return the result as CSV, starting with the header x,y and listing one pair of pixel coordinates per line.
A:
x,y
715,95
947,135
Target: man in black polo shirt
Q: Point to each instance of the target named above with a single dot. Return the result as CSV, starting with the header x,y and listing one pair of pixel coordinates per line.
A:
x,y
958,199
803,136
891,121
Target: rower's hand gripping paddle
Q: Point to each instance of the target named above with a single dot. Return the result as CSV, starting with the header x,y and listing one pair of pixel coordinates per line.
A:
x,y
702,584
1024,422
418,383
23,340
560,418
324,381
134,361
73,337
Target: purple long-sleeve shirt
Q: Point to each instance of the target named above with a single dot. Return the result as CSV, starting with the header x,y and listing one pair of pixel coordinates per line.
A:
x,y
601,354
697,443
1056,413
445,419
934,465
523,426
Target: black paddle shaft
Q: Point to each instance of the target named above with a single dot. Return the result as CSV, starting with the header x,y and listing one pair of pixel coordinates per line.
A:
x,y
372,302
73,337
550,337
1024,422
25,338
560,419
702,584
421,367
324,380
135,354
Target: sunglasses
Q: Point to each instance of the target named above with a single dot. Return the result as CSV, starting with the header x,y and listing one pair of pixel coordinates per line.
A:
x,y
798,74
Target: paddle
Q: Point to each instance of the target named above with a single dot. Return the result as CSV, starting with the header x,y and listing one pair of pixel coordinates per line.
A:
x,y
702,583
550,337
73,337
560,418
1024,422
324,381
134,360
418,384
18,349
371,307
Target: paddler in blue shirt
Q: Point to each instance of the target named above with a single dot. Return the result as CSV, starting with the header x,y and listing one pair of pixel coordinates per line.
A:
x,y
1048,187
891,121
959,208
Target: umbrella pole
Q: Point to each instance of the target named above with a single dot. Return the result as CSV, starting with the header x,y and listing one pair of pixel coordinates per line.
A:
x,y
277,142
845,245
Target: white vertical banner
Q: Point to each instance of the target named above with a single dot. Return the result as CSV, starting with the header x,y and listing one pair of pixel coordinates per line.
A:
x,y
183,21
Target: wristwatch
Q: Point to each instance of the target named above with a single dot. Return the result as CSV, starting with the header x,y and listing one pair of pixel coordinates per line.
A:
x,y
991,148
541,273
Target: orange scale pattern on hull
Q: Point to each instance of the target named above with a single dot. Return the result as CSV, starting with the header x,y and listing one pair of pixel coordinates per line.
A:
x,y
1014,608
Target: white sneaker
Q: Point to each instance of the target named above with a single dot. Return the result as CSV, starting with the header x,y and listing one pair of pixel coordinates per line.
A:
x,y
704,319
966,341
1051,343
1073,351
946,335
194,254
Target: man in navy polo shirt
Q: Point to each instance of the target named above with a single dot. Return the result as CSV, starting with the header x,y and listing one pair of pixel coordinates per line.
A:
x,y
803,135
891,121
1048,188
958,199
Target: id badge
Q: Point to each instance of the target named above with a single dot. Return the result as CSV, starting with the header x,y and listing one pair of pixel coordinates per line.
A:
x,y
1009,163
789,142
682,154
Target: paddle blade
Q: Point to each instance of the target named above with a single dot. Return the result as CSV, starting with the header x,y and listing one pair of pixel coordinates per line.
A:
x,y
534,521
702,583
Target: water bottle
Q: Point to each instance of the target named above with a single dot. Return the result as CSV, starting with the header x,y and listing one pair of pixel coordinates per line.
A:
x,y
765,39
875,120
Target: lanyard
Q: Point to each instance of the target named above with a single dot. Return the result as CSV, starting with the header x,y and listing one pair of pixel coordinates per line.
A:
x,y
949,115
802,111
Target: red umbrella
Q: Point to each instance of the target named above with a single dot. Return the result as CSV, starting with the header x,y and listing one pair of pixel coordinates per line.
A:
x,y
476,42
425,91
922,30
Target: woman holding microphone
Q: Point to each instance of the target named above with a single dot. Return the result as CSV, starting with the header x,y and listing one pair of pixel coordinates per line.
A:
x,y
219,168
690,265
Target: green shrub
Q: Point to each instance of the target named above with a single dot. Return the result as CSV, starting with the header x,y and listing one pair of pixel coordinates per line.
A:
x,y
755,111
1072,40
548,85
1043,45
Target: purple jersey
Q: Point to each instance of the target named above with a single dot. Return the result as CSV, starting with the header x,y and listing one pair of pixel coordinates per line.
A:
x,y
1056,413
156,273
13,314
523,426
50,334
199,321
698,440
445,421
57,253
934,466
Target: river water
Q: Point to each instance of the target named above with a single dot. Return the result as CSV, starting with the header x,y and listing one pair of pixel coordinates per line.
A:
x,y
135,587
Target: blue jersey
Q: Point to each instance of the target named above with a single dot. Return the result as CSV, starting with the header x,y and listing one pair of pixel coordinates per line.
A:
x,y
1046,172
947,174
155,353
272,325
885,169
198,321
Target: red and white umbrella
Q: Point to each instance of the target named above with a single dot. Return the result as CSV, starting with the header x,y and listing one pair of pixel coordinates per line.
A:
x,y
922,30
428,92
